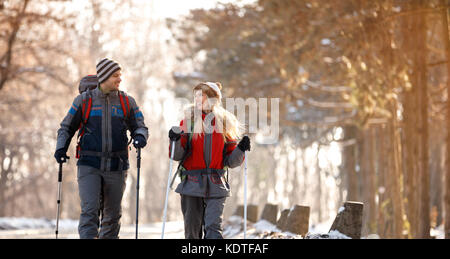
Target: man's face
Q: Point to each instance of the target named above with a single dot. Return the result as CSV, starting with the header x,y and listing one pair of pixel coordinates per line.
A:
x,y
113,82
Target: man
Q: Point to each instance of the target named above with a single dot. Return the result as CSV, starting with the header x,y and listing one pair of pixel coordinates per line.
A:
x,y
103,154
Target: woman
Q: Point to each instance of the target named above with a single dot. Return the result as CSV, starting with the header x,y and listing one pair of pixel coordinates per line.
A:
x,y
206,145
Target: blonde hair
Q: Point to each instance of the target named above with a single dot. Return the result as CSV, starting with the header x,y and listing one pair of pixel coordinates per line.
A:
x,y
225,121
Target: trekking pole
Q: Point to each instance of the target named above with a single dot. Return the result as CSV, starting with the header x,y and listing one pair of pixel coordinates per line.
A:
x,y
168,187
58,201
137,188
245,195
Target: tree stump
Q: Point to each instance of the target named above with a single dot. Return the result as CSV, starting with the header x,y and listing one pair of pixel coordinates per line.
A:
x,y
281,223
298,220
252,212
348,221
270,213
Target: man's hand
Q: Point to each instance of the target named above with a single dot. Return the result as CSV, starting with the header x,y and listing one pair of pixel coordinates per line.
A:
x,y
61,155
139,141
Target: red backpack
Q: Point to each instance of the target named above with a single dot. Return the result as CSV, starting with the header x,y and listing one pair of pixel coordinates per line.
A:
x,y
87,84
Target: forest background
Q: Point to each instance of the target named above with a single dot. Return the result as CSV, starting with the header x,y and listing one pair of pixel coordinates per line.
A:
x,y
363,89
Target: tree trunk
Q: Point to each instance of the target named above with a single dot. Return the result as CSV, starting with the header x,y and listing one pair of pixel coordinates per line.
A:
x,y
349,163
7,57
363,176
447,175
319,187
424,212
396,179
383,197
411,158
371,185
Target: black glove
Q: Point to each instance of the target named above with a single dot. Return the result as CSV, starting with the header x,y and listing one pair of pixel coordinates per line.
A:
x,y
61,155
175,133
244,144
139,141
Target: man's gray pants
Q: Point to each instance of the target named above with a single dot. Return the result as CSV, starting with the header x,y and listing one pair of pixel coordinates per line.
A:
x,y
202,215
93,184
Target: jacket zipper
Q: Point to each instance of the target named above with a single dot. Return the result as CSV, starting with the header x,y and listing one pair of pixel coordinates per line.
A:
x,y
106,130
108,137
208,161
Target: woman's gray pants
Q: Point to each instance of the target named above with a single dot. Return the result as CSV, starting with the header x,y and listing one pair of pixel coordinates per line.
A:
x,y
100,191
202,215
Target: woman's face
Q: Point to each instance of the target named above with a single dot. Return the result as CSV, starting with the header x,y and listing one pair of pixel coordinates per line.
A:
x,y
201,100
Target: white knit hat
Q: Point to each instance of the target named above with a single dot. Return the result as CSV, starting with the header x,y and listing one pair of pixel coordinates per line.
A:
x,y
215,87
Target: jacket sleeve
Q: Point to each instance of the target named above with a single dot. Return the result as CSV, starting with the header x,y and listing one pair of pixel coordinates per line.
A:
x,y
69,124
180,145
233,155
136,123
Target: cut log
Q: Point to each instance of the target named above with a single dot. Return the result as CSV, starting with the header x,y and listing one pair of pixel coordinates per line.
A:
x,y
270,213
252,212
281,223
298,220
239,211
348,221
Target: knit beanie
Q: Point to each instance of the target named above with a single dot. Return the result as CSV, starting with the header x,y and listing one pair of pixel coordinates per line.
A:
x,y
215,87
105,68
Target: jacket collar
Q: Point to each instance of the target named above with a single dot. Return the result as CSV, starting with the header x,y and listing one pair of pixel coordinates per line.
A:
x,y
100,94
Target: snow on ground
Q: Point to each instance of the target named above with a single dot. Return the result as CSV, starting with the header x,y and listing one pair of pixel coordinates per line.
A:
x,y
234,229
234,226
438,232
28,228
30,223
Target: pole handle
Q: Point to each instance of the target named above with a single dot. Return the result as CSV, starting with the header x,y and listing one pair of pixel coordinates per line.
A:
x,y
60,173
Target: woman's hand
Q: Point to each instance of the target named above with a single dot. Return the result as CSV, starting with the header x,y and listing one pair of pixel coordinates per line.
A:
x,y
244,144
175,133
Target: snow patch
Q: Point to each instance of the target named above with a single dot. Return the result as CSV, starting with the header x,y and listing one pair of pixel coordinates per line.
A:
x,y
334,234
438,232
325,41
8,223
263,226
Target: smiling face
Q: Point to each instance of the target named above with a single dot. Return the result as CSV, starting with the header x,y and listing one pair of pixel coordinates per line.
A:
x,y
205,97
201,100
113,82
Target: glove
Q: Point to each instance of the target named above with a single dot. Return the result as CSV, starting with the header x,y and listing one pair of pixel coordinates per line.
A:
x,y
175,133
61,155
244,144
139,141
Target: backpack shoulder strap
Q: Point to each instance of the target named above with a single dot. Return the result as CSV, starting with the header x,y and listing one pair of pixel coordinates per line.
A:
x,y
224,154
86,107
188,151
125,103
